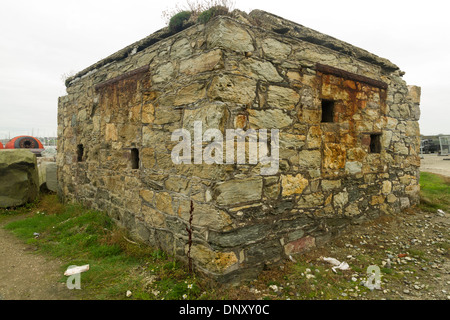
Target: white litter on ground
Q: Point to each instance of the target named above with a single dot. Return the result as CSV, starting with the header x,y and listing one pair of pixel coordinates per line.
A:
x,y
337,264
76,270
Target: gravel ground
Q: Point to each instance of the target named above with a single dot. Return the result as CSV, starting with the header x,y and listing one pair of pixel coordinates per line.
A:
x,y
411,250
411,247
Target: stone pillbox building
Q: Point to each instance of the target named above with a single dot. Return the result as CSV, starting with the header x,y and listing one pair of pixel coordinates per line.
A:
x,y
348,140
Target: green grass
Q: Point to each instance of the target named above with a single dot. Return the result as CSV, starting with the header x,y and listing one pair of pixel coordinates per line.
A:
x,y
207,15
80,236
177,21
416,253
434,193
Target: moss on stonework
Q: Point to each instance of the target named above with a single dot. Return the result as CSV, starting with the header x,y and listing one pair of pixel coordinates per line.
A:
x,y
206,15
177,22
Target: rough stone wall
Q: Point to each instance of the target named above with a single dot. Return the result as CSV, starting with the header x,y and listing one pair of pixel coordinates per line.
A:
x,y
230,74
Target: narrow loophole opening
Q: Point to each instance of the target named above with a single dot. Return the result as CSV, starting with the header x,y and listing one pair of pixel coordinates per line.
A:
x,y
134,158
80,153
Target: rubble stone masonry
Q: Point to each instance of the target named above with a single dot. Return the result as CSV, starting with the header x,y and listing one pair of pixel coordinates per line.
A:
x,y
348,132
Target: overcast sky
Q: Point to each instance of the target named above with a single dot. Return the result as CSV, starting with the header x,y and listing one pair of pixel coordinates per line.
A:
x,y
41,41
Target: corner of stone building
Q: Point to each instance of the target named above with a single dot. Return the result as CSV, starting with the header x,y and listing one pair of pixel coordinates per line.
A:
x,y
206,77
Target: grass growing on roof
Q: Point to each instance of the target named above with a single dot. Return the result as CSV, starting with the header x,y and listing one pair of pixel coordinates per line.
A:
x,y
177,21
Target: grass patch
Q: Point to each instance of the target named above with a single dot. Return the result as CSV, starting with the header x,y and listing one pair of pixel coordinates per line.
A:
x,y
81,236
434,192
207,15
387,270
178,20
321,283
416,253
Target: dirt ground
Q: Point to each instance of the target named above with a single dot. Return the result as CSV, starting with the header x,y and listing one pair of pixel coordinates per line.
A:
x,y
414,245
25,275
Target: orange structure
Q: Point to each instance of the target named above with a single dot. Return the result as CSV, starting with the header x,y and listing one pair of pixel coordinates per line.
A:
x,y
24,142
